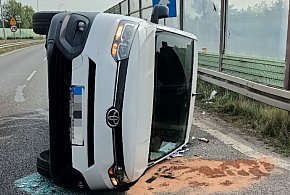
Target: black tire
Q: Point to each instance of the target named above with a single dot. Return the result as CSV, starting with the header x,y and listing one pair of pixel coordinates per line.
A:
x,y
43,164
41,21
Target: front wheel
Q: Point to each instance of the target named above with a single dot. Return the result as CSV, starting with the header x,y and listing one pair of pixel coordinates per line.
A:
x,y
43,164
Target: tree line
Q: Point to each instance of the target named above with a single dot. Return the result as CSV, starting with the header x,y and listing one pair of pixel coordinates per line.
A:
x,y
258,30
22,13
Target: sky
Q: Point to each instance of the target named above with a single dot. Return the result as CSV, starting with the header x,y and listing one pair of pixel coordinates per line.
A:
x,y
101,5
245,3
69,5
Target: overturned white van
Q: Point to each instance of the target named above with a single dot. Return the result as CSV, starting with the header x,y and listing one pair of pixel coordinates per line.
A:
x,y
121,97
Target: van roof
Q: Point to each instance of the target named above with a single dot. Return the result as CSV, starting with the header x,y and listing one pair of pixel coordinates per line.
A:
x,y
176,31
158,26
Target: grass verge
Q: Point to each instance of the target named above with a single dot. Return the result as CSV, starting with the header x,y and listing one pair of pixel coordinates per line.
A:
x,y
263,121
15,47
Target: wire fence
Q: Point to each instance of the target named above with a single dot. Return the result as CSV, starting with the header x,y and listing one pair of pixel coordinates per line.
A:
x,y
264,71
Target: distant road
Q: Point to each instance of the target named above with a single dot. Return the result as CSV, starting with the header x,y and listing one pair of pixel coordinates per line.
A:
x,y
23,114
23,79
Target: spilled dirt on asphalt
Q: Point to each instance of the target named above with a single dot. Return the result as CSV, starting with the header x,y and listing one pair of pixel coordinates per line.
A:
x,y
201,176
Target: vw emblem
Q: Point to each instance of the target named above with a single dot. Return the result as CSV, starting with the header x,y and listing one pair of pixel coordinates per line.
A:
x,y
113,117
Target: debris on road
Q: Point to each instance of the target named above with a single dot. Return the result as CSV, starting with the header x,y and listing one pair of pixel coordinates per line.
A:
x,y
203,139
201,176
179,153
212,95
176,154
151,179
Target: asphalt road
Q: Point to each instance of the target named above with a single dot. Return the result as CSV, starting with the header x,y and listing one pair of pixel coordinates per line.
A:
x,y
24,132
23,114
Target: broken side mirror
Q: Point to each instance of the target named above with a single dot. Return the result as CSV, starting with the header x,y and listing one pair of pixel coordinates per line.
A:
x,y
159,12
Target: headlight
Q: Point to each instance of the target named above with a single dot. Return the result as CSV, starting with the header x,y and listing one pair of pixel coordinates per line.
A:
x,y
118,176
123,39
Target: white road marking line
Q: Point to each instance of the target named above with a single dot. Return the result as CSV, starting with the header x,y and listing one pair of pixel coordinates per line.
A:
x,y
19,96
5,137
19,118
45,59
42,111
31,75
15,126
242,147
14,51
11,52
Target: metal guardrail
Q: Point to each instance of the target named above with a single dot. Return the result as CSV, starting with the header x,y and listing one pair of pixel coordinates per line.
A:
x,y
269,95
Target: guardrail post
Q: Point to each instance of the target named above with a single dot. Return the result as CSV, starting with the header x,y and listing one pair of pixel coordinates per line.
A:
x,y
129,10
181,14
287,58
223,20
120,8
140,7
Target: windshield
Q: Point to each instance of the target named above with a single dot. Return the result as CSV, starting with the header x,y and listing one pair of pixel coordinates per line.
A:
x,y
172,93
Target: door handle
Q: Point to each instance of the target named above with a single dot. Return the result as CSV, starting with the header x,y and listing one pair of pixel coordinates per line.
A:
x,y
195,94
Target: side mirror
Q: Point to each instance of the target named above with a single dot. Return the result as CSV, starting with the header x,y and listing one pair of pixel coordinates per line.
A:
x,y
159,11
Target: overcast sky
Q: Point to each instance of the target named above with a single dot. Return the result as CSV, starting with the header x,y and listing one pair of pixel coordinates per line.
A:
x,y
69,5
101,5
245,3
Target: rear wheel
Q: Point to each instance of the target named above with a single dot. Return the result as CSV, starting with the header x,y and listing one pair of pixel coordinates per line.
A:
x,y
43,164
41,21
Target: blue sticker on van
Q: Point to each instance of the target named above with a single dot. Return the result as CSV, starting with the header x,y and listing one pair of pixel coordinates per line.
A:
x,y
77,90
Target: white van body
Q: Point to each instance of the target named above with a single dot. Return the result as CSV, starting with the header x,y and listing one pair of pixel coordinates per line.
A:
x,y
123,99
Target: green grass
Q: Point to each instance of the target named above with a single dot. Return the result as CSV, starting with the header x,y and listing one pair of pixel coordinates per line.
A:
x,y
266,122
15,47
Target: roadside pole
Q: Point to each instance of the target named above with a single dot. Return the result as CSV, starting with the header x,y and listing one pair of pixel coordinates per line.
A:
x,y
287,58
3,27
18,21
